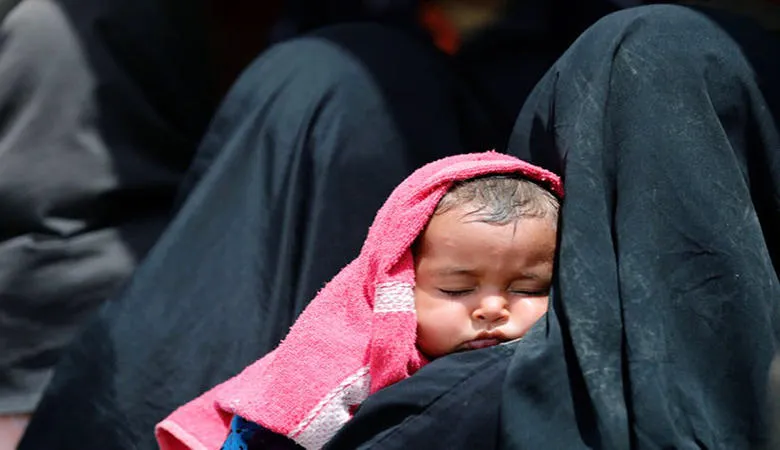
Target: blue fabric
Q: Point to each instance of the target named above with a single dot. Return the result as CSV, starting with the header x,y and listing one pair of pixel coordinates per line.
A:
x,y
241,432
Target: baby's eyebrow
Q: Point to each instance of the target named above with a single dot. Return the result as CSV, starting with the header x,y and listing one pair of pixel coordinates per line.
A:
x,y
532,276
454,271
463,271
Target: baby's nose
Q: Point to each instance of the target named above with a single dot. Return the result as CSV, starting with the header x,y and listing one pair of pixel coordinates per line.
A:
x,y
491,308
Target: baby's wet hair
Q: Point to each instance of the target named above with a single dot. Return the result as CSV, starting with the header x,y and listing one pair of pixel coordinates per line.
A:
x,y
501,199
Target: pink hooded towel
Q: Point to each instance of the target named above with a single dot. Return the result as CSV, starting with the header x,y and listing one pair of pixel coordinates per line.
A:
x,y
357,336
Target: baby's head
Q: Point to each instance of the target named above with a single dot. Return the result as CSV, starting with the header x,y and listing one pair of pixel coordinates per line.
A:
x,y
484,264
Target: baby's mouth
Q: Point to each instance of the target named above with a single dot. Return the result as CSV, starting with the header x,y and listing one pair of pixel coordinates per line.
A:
x,y
485,339
476,344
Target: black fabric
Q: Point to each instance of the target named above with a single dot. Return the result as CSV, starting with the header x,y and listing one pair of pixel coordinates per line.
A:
x,y
505,60
268,440
102,107
99,119
664,324
6,6
663,321
453,402
300,156
303,16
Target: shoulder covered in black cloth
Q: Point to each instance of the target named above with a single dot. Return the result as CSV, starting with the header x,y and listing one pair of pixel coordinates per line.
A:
x,y
450,403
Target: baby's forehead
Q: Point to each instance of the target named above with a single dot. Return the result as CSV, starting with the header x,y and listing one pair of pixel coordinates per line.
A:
x,y
465,224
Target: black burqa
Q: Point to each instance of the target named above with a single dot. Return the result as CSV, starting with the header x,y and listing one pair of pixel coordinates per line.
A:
x,y
665,315
98,124
663,321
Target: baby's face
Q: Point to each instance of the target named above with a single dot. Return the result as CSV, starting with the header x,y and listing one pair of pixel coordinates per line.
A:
x,y
480,284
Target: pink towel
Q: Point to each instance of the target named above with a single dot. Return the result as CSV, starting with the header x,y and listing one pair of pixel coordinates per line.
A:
x,y
357,336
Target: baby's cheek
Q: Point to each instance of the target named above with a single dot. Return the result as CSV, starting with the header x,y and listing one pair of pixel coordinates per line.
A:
x,y
424,342
423,328
543,303
532,309
434,335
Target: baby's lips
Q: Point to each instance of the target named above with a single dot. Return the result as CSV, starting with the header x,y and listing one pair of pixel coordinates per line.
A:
x,y
481,343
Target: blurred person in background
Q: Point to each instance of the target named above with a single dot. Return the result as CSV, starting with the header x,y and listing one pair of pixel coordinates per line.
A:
x,y
103,106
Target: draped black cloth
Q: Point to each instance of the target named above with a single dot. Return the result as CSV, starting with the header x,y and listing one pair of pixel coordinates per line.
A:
x,y
102,105
664,122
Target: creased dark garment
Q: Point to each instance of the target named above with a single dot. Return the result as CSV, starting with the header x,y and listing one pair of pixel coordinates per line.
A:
x,y
663,122
98,123
102,107
663,322
303,16
505,60
454,401
302,153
